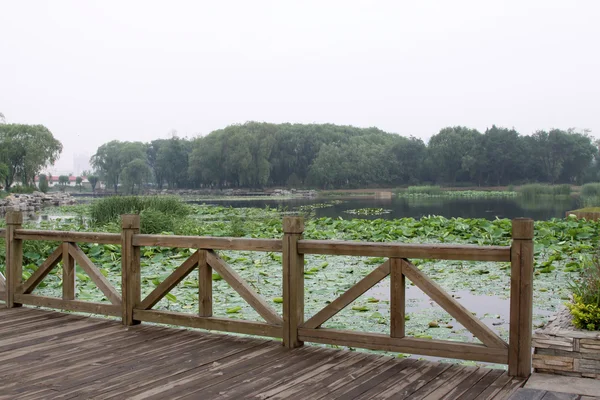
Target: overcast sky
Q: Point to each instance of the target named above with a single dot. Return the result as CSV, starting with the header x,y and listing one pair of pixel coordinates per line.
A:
x,y
135,70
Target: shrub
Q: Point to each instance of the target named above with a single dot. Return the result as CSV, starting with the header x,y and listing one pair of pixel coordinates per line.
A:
x,y
585,316
537,189
152,221
428,190
43,183
585,307
111,208
590,190
23,189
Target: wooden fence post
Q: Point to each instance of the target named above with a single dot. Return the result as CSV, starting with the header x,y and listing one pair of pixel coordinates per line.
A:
x,y
14,257
130,268
521,298
293,281
68,267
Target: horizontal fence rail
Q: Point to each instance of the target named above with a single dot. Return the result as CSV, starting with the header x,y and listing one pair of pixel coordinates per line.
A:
x,y
291,326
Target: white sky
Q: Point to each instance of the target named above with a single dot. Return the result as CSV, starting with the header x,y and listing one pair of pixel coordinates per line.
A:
x,y
94,71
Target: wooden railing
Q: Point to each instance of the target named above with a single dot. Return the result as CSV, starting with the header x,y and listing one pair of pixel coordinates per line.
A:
x,y
291,327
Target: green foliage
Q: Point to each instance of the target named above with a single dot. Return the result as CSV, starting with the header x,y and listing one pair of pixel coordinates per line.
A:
x,y
428,190
591,190
332,156
25,150
23,189
153,221
534,190
585,316
43,183
93,180
110,209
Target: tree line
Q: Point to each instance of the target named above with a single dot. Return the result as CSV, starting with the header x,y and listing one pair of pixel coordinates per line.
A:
x,y
256,155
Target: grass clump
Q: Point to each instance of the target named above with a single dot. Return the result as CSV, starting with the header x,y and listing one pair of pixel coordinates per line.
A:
x,y
585,306
155,211
534,190
428,190
590,190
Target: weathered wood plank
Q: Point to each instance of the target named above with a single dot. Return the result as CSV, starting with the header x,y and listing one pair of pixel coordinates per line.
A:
x,y
349,296
95,275
43,270
238,284
293,281
521,298
208,243
70,305
374,341
63,236
13,257
131,280
179,274
210,323
205,305
397,297
68,273
472,387
453,307
402,250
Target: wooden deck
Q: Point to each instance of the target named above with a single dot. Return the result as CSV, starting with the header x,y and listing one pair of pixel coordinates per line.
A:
x,y
52,355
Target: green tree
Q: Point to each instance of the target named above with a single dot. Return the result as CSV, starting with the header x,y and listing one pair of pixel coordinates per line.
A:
x,y
455,153
111,159
63,181
43,183
135,174
78,182
93,180
26,150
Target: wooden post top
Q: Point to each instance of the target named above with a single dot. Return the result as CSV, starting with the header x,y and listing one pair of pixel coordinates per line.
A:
x,y
522,228
293,225
130,221
14,218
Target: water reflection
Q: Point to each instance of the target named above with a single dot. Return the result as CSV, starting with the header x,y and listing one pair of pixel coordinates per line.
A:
x,y
489,208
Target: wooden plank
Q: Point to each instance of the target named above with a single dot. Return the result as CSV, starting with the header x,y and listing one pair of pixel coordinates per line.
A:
x,y
293,281
340,376
455,372
521,298
293,362
180,383
71,305
409,381
399,369
68,273
2,284
349,296
453,307
170,282
43,270
494,387
95,275
131,281
208,243
245,291
530,394
397,298
13,257
138,363
64,236
2,233
472,387
374,341
205,306
322,363
510,388
209,365
402,250
209,323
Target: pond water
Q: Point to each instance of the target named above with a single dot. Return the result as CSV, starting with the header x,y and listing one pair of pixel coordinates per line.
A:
x,y
399,207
